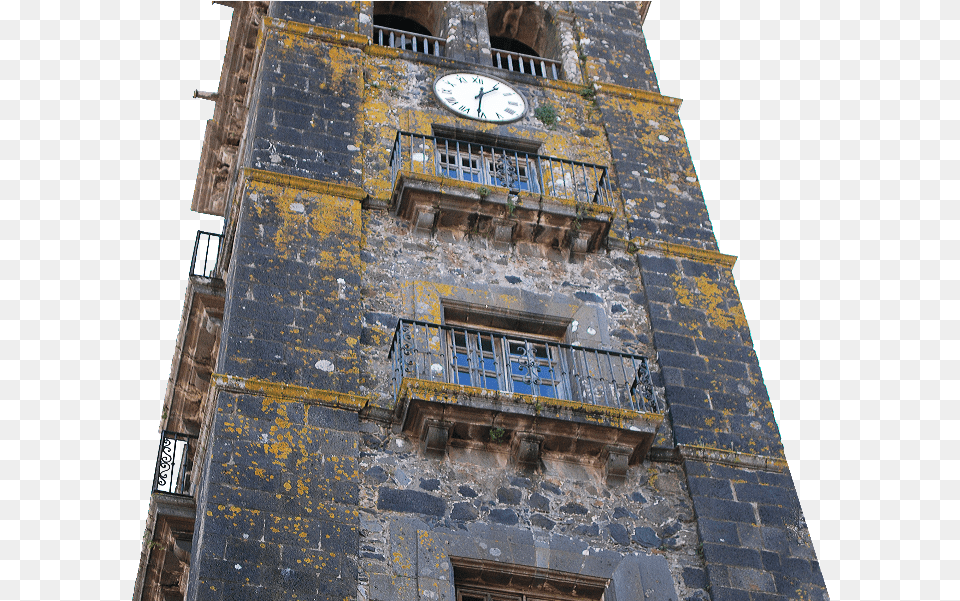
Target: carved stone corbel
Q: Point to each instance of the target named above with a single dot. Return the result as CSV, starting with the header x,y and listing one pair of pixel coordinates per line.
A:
x,y
436,434
616,460
526,450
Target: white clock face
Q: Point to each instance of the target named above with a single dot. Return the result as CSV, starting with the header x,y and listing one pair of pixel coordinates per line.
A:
x,y
480,97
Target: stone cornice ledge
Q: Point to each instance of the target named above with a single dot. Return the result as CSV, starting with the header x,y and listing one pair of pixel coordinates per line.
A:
x,y
734,458
333,36
624,92
303,183
687,252
288,392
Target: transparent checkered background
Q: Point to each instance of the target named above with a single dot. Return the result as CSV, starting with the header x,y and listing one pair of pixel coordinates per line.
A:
x,y
825,137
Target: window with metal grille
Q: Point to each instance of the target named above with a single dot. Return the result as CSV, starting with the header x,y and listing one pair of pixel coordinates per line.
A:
x,y
533,367
471,162
513,352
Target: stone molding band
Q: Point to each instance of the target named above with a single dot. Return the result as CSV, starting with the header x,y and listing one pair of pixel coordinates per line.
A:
x,y
685,252
733,458
325,34
353,402
287,392
612,89
303,183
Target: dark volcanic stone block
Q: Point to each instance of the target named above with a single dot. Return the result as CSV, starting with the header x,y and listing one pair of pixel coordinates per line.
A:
x,y
542,521
694,577
377,474
430,484
646,537
539,502
410,501
619,534
587,530
504,516
574,508
510,496
731,556
463,512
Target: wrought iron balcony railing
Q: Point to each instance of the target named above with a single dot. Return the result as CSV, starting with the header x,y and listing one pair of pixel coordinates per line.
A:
x,y
406,40
495,166
512,363
174,463
206,253
525,63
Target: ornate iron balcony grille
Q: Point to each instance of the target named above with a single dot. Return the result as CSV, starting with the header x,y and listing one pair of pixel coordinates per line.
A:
x,y
174,463
525,63
495,166
406,40
206,253
512,363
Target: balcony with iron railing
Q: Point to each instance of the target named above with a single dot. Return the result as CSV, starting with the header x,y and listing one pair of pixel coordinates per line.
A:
x,y
517,171
172,474
198,339
167,543
453,382
515,194
525,63
408,40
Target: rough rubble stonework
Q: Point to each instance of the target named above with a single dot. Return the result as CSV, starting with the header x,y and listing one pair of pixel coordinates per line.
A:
x,y
330,453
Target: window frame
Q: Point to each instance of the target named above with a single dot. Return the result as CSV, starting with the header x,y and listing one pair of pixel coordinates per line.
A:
x,y
517,352
486,164
496,581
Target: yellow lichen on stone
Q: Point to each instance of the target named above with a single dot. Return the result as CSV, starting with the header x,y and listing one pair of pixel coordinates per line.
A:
x,y
707,296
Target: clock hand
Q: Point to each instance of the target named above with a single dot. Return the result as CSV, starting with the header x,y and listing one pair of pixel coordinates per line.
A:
x,y
479,95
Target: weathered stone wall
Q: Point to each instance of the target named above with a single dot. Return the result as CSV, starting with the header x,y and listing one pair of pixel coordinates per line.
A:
x,y
753,534
305,120
305,499
612,45
309,492
342,16
293,310
563,518
654,170
278,514
709,366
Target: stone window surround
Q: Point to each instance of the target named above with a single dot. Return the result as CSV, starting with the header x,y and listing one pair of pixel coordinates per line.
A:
x,y
585,323
427,570
475,579
610,446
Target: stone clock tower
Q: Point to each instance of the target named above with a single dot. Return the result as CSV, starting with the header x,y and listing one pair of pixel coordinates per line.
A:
x,y
466,334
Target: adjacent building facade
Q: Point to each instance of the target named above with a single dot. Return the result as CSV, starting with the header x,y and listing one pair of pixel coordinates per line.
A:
x,y
466,334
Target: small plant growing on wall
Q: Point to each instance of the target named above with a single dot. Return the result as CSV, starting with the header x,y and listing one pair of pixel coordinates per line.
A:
x,y
483,191
546,114
511,204
578,222
496,435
